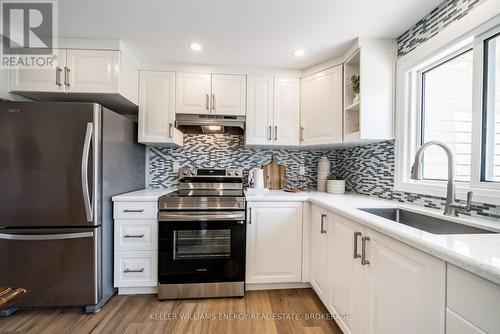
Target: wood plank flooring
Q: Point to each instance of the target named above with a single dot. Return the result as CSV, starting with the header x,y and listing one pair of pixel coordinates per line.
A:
x,y
271,311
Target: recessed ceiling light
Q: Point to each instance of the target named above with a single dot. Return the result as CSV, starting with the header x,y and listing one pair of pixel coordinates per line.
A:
x,y
299,52
195,46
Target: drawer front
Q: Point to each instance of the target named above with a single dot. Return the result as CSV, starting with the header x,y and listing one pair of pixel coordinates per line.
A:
x,y
474,299
136,269
136,234
135,210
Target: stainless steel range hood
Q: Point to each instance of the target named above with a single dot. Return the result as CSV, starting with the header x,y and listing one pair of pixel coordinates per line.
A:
x,y
197,124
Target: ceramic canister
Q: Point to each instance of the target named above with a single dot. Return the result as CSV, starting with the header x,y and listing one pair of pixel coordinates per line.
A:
x,y
323,172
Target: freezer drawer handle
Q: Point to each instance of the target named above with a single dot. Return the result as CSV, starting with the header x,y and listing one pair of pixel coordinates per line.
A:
x,y
62,236
133,236
127,270
85,172
133,210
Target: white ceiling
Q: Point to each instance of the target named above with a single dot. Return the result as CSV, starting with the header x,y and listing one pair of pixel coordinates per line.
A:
x,y
250,33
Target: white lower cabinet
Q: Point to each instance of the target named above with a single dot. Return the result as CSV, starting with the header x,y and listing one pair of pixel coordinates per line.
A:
x,y
374,284
319,252
135,246
274,242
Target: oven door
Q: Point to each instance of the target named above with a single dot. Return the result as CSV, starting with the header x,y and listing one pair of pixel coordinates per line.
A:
x,y
201,247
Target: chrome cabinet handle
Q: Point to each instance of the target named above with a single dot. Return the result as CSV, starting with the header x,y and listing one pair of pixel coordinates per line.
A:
x,y
133,210
58,76
63,236
364,261
270,132
130,236
84,171
207,103
66,76
301,134
127,270
170,130
250,215
323,216
213,102
275,132
356,235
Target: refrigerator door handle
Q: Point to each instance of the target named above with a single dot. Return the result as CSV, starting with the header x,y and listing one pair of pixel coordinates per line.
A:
x,y
78,235
85,172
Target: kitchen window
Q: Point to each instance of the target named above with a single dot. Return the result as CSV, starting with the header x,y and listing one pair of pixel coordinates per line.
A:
x,y
452,95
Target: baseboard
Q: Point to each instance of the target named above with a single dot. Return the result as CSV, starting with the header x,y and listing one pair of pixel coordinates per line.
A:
x,y
142,290
276,286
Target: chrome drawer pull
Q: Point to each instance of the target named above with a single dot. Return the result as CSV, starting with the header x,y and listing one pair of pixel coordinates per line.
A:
x,y
133,236
364,261
323,216
133,270
133,210
356,235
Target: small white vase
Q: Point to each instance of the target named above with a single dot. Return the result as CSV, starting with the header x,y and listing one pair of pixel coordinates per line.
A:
x,y
323,172
335,186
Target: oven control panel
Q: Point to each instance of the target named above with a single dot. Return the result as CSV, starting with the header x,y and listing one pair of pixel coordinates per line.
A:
x,y
208,172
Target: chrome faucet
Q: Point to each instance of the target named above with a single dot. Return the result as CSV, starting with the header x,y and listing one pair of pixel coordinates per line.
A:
x,y
452,206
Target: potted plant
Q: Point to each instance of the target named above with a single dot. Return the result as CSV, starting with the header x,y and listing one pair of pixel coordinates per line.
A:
x,y
355,88
335,184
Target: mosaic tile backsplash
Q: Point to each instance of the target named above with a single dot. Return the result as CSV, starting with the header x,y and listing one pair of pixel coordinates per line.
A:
x,y
228,151
447,12
369,170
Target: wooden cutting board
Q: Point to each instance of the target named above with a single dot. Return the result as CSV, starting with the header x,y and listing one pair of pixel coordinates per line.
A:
x,y
274,175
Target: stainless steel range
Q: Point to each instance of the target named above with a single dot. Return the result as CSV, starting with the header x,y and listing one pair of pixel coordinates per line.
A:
x,y
202,236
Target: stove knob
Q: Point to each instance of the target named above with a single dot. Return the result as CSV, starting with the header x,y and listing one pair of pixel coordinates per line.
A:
x,y
193,172
185,172
229,172
237,173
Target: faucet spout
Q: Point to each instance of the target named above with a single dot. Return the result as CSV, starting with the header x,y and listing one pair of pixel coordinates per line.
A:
x,y
452,206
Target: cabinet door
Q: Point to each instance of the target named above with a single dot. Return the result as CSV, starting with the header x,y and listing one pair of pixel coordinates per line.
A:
x,y
286,111
38,80
319,253
404,289
259,121
93,71
346,274
321,111
156,108
192,94
274,242
228,94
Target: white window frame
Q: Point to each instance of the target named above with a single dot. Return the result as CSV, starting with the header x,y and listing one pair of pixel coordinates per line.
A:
x,y
451,41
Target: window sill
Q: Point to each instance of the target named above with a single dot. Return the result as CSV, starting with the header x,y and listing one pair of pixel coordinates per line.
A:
x,y
438,189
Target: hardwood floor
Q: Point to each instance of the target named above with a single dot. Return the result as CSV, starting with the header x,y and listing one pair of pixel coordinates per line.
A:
x,y
271,311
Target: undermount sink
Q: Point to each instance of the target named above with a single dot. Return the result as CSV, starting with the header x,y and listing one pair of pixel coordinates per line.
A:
x,y
424,222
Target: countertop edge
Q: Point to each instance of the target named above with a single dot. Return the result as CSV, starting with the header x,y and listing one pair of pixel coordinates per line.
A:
x,y
142,195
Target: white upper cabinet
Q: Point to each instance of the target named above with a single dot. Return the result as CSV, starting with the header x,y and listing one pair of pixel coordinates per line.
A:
x,y
157,109
229,94
369,117
108,77
193,93
38,80
319,253
273,111
92,71
286,111
321,107
200,93
260,104
274,242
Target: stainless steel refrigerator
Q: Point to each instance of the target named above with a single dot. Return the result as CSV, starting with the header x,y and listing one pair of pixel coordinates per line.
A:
x,y
60,164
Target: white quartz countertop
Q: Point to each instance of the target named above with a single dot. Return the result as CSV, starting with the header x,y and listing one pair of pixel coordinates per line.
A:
x,y
477,253
143,195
